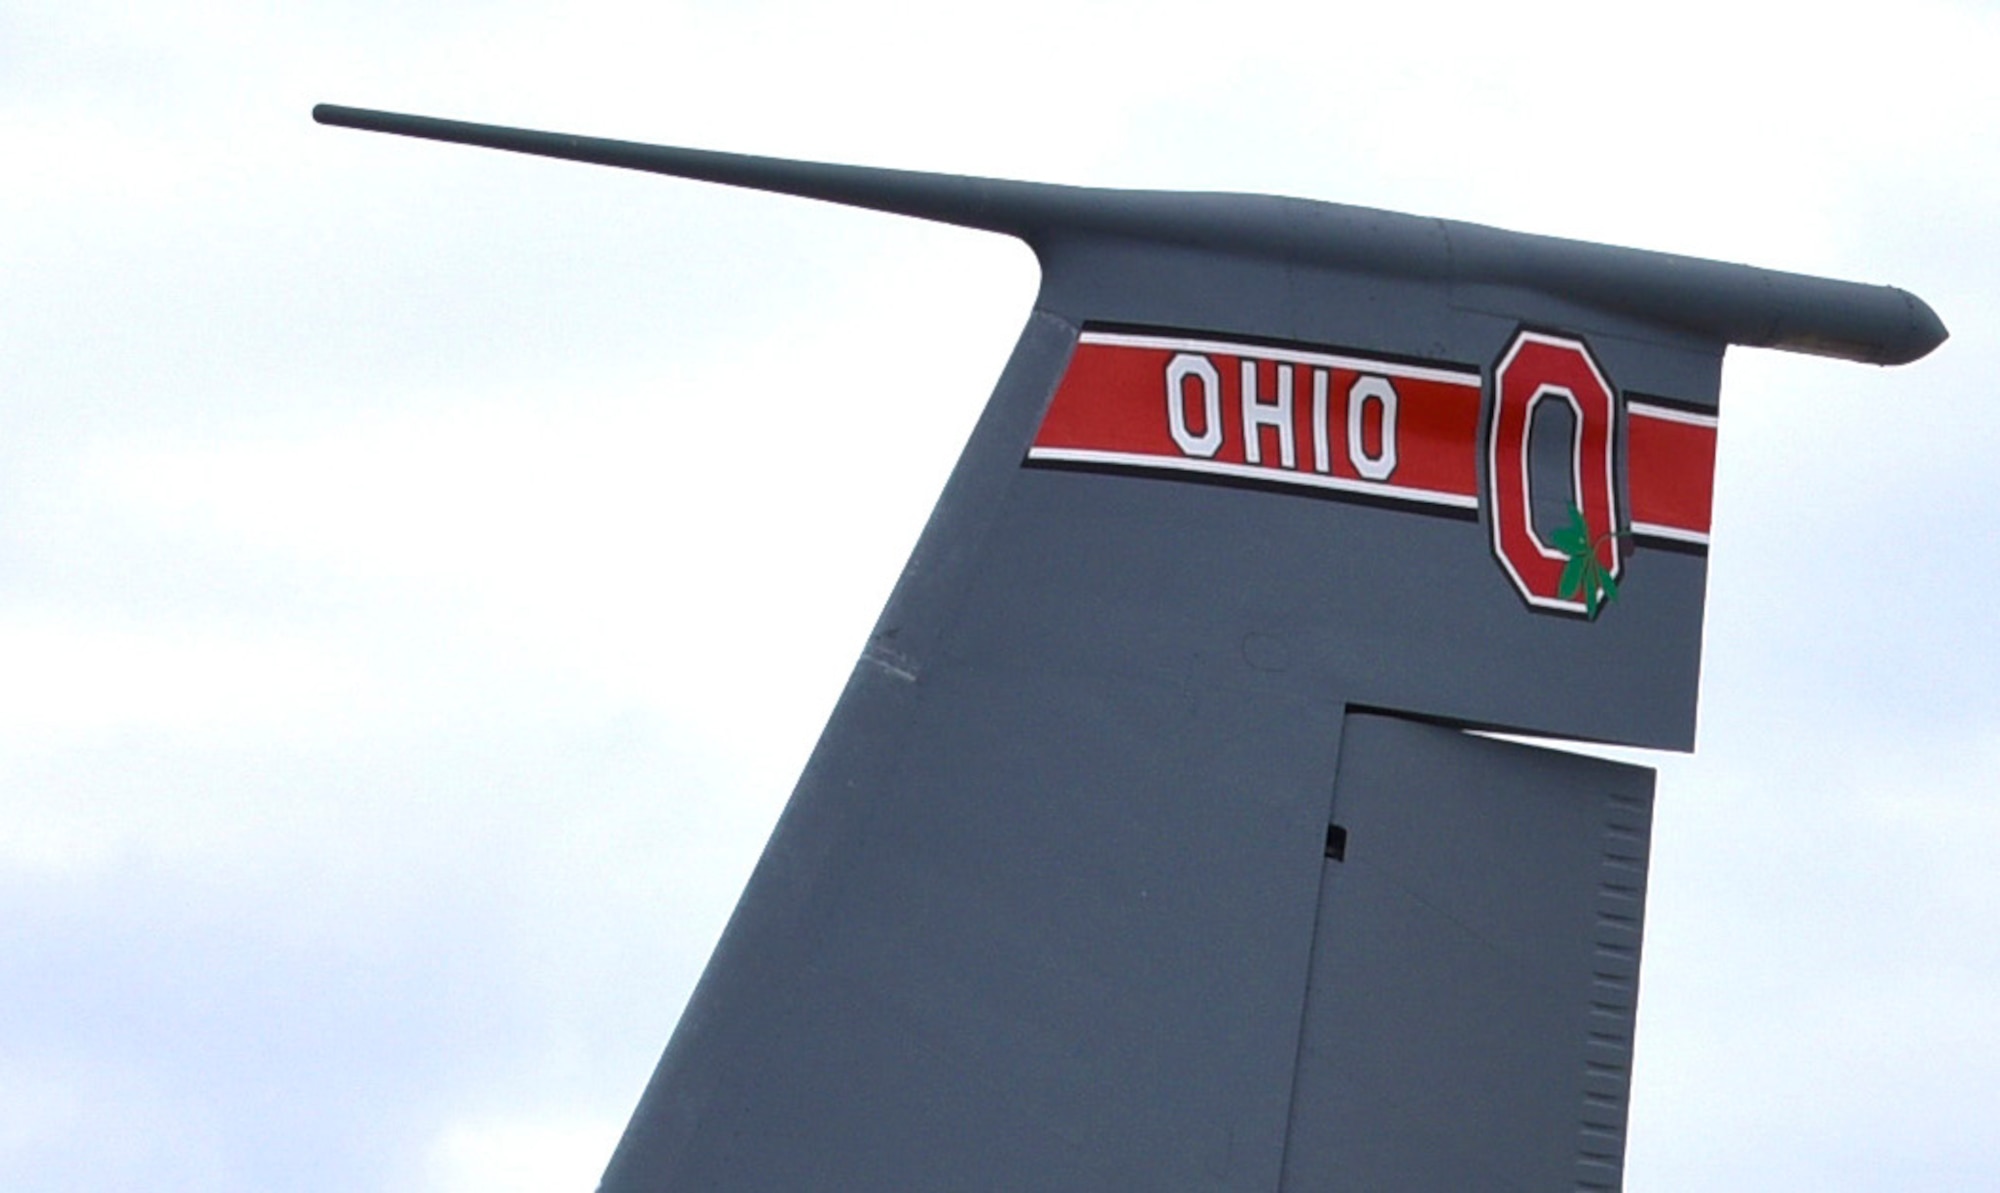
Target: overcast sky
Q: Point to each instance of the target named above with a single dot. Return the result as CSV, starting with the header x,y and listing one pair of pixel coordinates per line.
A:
x,y
423,571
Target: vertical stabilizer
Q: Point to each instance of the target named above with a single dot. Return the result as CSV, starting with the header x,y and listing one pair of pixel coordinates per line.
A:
x,y
1146,847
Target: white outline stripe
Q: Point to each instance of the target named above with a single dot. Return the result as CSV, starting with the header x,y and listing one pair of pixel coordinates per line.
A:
x,y
1667,414
1255,472
1656,531
1549,389
1358,364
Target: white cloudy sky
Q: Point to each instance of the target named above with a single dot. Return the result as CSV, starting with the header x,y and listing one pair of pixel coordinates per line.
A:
x,y
423,571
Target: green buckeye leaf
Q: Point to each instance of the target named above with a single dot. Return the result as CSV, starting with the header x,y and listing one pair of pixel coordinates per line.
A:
x,y
1572,578
1583,574
1574,539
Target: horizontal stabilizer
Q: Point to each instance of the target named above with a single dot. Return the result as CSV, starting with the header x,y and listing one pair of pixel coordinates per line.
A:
x,y
1737,304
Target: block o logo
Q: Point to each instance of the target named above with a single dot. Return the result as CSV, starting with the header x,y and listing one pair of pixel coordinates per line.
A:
x,y
1541,368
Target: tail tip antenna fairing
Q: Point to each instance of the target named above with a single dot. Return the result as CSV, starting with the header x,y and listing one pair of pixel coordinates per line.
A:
x,y
1146,847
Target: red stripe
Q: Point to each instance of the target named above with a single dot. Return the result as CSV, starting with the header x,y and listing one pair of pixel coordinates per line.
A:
x,y
1672,472
1113,398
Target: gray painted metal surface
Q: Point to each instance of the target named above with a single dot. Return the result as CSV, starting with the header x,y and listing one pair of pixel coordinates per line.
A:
x,y
1053,904
1489,900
